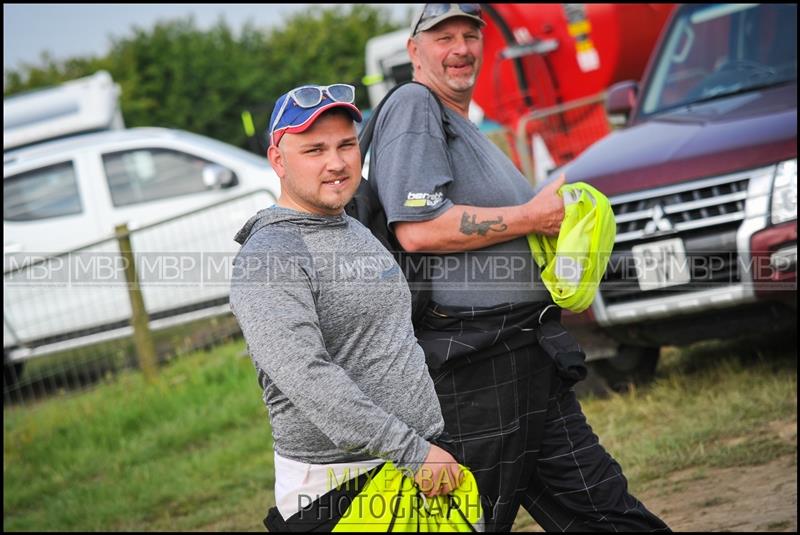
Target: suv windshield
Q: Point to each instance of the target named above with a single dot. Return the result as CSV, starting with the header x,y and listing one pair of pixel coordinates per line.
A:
x,y
714,50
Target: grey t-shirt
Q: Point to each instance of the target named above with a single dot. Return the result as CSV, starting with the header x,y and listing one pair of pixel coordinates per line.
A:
x,y
326,314
419,175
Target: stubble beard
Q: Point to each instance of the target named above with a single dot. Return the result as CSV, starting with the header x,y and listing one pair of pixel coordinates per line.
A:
x,y
333,205
461,84
315,202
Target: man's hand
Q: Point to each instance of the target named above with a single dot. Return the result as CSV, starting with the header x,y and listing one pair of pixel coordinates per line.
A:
x,y
439,474
546,209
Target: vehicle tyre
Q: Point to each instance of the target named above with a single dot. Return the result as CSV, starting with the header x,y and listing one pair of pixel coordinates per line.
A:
x,y
632,365
12,371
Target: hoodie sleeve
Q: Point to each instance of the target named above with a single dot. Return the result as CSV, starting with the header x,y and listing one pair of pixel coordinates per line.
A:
x,y
275,307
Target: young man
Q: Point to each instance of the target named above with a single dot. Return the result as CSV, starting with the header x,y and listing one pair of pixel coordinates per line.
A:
x,y
326,316
515,420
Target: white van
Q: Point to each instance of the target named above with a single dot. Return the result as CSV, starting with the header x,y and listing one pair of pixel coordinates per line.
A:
x,y
191,192
62,194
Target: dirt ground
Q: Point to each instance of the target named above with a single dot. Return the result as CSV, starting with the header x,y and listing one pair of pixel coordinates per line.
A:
x,y
747,498
750,498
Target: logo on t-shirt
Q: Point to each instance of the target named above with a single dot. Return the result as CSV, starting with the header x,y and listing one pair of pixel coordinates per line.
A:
x,y
421,200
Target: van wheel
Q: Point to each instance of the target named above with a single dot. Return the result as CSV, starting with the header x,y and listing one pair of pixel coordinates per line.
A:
x,y
631,365
12,371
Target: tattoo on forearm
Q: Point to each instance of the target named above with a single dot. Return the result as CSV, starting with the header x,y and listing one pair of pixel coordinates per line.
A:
x,y
470,226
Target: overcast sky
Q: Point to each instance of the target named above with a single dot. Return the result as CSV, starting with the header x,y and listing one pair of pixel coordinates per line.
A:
x,y
69,30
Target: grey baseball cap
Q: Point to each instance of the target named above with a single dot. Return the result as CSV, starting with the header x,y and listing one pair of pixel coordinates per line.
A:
x,y
432,14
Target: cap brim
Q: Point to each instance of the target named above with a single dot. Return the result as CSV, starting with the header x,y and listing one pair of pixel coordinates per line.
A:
x,y
305,125
428,24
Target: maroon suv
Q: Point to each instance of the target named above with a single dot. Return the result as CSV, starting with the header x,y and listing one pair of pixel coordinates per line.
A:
x,y
703,183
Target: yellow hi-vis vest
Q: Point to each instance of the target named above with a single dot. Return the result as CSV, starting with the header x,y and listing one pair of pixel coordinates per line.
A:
x,y
573,263
392,502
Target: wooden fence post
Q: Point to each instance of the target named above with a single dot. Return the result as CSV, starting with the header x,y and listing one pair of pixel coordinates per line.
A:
x,y
141,327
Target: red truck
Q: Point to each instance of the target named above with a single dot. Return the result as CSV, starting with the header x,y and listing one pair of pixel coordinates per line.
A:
x,y
703,183
545,68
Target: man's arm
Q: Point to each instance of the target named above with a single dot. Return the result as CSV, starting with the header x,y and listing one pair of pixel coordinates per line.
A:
x,y
439,474
280,324
466,228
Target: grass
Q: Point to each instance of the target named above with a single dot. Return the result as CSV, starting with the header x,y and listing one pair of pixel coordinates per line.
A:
x,y
88,363
193,451
179,454
713,405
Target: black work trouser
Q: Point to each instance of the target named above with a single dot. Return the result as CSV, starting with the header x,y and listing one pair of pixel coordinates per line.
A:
x,y
522,432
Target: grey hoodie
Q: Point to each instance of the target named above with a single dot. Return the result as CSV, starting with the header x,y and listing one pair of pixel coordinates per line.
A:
x,y
326,314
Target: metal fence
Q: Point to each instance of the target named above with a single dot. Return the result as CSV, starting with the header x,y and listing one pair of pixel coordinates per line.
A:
x,y
139,298
69,319
550,137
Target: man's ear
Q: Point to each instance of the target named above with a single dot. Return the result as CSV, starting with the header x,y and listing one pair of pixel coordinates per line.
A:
x,y
411,46
276,160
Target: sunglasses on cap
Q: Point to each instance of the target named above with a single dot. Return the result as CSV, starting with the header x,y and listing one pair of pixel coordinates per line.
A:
x,y
431,11
309,96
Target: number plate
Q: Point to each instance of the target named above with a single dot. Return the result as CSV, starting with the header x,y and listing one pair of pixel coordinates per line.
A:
x,y
660,264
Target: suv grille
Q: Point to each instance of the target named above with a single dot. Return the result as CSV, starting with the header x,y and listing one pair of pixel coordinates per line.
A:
x,y
704,214
691,207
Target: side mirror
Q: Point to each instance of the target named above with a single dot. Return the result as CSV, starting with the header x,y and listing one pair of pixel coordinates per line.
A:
x,y
216,176
620,101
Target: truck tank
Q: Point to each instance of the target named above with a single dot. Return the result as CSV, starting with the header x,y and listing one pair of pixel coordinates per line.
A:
x,y
546,67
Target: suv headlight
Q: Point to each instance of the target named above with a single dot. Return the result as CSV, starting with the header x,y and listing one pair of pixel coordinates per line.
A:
x,y
784,192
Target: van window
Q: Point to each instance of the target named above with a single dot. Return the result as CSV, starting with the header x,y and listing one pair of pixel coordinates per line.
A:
x,y
144,175
47,192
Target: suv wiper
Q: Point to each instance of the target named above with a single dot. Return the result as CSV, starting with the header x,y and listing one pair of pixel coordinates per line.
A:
x,y
746,89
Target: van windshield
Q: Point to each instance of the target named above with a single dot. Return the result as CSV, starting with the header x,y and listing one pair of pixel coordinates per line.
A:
x,y
716,50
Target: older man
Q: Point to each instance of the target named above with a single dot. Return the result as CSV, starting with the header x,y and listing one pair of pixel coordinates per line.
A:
x,y
515,419
326,316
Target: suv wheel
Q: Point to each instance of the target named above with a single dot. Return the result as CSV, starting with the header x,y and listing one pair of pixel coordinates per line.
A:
x,y
632,365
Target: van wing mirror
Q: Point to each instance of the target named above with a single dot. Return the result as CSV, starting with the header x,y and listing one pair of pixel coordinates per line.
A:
x,y
620,101
216,176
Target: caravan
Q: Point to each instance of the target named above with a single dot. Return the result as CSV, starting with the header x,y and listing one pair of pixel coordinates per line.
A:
x,y
86,105
72,173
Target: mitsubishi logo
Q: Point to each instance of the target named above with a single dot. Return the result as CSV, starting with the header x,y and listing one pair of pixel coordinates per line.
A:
x,y
658,223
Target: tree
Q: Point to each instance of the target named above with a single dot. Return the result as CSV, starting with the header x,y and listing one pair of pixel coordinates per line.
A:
x,y
178,76
331,42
